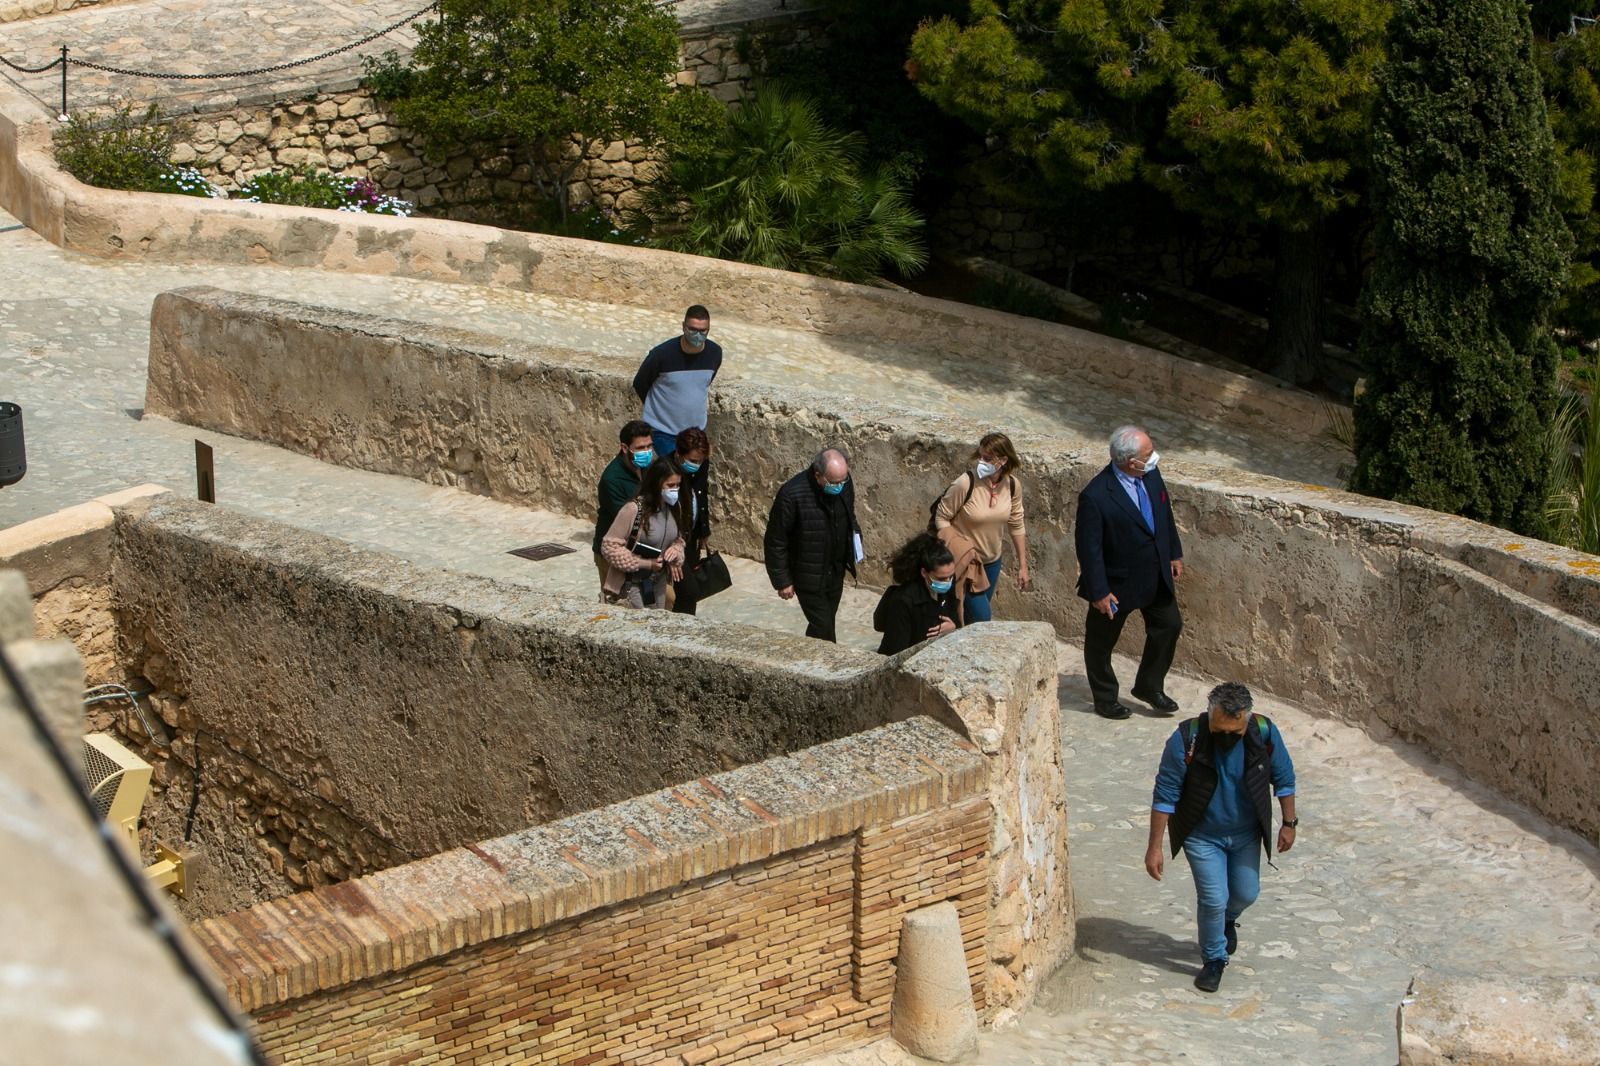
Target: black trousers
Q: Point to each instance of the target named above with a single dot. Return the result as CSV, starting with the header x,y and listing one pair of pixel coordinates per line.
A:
x,y
683,600
1162,624
821,606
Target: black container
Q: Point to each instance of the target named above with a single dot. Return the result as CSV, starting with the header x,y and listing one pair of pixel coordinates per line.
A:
x,y
13,456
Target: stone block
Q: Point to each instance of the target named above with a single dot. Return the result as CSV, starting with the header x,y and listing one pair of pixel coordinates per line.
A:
x,y
346,127
292,157
356,105
365,152
459,167
183,154
327,110
1500,1020
729,92
380,134
932,1013
614,152
258,129
338,160
228,131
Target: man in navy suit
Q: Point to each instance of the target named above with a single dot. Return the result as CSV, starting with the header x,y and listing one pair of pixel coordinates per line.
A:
x,y
1129,558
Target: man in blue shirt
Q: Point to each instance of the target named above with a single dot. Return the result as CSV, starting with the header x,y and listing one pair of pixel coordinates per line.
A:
x,y
675,379
1213,798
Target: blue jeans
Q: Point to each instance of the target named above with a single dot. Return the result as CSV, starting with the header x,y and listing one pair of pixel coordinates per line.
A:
x,y
665,443
1227,879
977,605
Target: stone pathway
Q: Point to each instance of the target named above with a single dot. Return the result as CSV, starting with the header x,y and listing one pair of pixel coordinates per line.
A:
x,y
222,36
1401,864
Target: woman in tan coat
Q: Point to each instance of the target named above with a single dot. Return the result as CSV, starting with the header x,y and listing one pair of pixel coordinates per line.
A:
x,y
983,505
644,546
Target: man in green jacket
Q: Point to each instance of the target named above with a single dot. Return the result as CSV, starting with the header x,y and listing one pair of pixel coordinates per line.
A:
x,y
619,483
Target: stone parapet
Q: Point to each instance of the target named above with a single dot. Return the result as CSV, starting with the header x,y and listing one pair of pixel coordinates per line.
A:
x,y
16,10
734,917
1422,623
321,712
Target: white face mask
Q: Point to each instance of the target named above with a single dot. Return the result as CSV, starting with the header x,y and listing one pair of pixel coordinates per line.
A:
x,y
670,497
1150,463
986,469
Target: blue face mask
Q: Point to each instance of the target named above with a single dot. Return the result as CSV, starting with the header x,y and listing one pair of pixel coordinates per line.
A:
x,y
831,489
670,497
694,338
941,587
642,459
687,467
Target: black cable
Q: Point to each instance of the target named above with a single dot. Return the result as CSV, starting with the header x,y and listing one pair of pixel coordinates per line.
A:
x,y
132,876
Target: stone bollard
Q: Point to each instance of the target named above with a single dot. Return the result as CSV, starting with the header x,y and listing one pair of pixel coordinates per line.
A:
x,y
932,1014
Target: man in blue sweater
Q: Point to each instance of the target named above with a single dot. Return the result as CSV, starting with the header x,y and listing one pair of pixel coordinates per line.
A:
x,y
675,378
1213,798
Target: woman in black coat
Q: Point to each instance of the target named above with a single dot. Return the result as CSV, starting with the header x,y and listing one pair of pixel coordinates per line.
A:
x,y
921,604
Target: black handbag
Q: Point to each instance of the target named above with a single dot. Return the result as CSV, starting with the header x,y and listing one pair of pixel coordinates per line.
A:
x,y
707,577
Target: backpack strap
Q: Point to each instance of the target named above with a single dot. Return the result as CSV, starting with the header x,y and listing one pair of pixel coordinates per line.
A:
x,y
1191,736
1264,728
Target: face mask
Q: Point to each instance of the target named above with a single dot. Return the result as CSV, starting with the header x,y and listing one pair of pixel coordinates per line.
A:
x,y
833,490
1150,463
642,459
670,497
694,337
941,587
687,467
986,469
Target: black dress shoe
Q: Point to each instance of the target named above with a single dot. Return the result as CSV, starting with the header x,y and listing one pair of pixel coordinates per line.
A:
x,y
1114,711
1159,700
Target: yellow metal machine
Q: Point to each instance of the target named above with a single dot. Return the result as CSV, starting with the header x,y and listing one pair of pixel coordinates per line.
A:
x,y
118,782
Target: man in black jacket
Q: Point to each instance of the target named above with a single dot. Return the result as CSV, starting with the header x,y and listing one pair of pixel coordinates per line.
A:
x,y
813,538
1129,558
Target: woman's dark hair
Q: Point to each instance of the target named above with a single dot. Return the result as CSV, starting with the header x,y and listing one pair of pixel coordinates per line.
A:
x,y
650,501
922,552
691,439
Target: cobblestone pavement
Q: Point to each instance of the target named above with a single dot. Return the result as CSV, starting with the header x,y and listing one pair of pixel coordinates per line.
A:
x,y
222,36
1401,864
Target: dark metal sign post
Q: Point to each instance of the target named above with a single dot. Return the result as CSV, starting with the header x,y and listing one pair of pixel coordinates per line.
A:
x,y
204,473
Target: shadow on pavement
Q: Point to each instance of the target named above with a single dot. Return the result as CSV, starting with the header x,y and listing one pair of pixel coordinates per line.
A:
x,y
1099,936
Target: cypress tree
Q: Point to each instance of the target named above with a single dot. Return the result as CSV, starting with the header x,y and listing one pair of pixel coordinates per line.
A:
x,y
1471,252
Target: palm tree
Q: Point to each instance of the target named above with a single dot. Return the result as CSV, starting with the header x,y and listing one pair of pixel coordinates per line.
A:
x,y
1573,510
781,189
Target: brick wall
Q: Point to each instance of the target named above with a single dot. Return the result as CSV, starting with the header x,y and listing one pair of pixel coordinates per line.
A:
x,y
751,916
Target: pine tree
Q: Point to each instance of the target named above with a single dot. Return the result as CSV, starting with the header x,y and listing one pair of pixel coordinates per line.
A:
x,y
1471,253
1241,110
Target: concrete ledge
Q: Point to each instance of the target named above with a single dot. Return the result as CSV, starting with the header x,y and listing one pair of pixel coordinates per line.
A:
x,y
1495,1020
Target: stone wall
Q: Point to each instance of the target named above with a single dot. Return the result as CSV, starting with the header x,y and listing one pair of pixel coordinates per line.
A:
x,y
343,129
86,977
1383,613
322,712
748,916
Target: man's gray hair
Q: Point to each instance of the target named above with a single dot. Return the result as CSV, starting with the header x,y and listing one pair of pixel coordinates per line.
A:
x,y
1231,698
1125,443
820,463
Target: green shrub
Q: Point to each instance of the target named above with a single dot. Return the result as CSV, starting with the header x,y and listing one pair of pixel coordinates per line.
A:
x,y
115,150
779,188
301,186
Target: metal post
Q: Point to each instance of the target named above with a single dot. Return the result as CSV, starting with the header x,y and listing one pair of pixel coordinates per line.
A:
x,y
63,81
204,473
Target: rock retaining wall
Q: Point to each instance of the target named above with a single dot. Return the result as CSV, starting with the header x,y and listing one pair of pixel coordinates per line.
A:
x,y
1414,621
343,129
